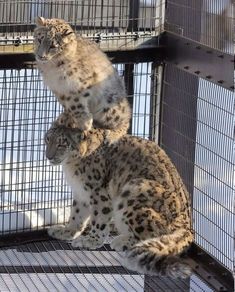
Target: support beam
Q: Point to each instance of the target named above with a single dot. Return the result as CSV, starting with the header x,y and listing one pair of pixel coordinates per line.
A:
x,y
200,60
27,60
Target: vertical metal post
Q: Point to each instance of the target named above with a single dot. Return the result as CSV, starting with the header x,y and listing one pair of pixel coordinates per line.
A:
x,y
134,6
129,82
156,86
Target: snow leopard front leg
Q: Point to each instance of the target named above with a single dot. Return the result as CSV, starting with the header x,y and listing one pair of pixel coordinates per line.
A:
x,y
101,214
76,116
64,120
80,112
78,222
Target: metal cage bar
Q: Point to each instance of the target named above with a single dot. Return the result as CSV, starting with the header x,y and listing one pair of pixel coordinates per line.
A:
x,y
122,23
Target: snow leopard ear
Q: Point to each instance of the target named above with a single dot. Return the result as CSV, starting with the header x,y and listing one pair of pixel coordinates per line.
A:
x,y
40,21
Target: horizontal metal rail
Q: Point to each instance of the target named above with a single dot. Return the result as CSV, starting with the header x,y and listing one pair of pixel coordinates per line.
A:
x,y
107,42
200,60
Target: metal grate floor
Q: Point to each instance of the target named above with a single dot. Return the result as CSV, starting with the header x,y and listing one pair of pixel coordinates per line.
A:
x,y
54,266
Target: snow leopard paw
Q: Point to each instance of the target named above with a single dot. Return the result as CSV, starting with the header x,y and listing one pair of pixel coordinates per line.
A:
x,y
122,243
87,242
61,232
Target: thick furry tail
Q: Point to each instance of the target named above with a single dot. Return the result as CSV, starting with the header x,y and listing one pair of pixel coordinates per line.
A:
x,y
160,255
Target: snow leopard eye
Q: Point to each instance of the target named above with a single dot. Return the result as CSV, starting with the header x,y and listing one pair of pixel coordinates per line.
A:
x,y
53,46
47,139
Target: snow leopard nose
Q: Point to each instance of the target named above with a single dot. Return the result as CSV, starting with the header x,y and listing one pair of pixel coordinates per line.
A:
x,y
42,53
50,151
42,58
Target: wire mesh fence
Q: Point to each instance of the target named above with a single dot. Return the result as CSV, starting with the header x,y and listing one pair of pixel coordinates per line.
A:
x,y
124,22
33,194
197,132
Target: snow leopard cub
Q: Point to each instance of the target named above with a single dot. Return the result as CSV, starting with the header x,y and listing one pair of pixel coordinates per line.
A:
x,y
81,77
133,181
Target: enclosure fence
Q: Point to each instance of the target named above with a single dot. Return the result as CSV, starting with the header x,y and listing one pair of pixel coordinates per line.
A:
x,y
177,60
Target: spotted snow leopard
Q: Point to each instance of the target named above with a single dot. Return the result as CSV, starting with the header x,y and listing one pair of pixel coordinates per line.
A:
x,y
81,77
132,181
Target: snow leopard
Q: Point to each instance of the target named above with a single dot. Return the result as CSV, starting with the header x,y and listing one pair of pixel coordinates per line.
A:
x,y
131,181
81,77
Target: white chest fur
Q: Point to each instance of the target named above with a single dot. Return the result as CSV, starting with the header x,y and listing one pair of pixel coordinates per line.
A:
x,y
57,79
76,183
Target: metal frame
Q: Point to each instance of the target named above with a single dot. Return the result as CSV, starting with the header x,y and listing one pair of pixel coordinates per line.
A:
x,y
188,55
217,276
200,60
129,80
187,126
155,106
147,54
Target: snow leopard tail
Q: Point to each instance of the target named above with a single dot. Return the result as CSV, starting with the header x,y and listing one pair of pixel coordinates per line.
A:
x,y
160,255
